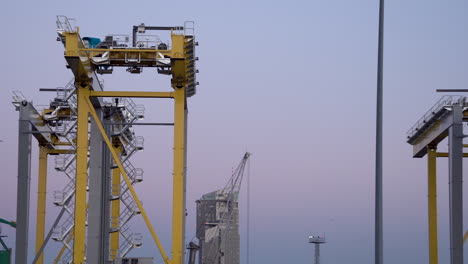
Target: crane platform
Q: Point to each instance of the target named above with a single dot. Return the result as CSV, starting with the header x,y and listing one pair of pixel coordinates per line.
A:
x,y
433,126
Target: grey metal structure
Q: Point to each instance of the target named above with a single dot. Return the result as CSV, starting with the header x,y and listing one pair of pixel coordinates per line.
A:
x,y
49,127
219,241
379,146
445,120
456,184
29,125
317,240
99,193
24,183
193,248
139,260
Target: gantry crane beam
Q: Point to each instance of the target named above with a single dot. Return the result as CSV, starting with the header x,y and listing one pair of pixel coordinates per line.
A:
x,y
77,59
180,58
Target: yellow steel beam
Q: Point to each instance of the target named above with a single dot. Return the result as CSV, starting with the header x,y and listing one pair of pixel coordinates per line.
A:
x,y
115,208
61,151
178,213
76,57
132,94
62,144
41,201
81,179
432,204
59,255
123,51
127,181
445,155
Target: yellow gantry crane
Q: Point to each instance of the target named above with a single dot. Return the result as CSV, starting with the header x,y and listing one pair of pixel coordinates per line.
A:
x,y
87,59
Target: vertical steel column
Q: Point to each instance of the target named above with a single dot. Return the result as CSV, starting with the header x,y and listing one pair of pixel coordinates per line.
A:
x,y
432,204
23,188
317,253
81,179
105,199
115,207
178,214
456,186
98,204
41,201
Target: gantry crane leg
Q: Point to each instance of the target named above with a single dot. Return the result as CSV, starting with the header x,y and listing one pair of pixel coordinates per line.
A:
x,y
81,179
41,201
180,138
456,185
23,187
432,204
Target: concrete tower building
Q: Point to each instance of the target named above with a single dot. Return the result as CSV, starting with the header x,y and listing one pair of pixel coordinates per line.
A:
x,y
218,228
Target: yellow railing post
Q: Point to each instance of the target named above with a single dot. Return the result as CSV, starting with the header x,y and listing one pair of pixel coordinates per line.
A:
x,y
81,179
115,208
41,201
178,214
432,204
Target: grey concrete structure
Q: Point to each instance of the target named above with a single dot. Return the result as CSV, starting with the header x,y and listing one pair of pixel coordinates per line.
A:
x,y
218,229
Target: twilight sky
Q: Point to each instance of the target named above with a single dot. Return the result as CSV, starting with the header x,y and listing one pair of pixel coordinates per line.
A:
x,y
293,82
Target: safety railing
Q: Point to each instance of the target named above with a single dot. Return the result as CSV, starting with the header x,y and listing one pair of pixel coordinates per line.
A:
x,y
148,42
64,24
440,105
18,97
120,41
189,28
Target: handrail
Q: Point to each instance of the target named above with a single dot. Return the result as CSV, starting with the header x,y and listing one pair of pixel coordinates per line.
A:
x,y
446,100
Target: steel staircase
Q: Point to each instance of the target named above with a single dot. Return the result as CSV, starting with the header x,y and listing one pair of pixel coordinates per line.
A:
x,y
125,113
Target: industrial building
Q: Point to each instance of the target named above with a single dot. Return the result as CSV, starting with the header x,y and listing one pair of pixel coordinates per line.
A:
x,y
218,221
219,241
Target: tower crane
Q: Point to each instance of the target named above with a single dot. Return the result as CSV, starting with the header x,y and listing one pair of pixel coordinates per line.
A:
x,y
223,222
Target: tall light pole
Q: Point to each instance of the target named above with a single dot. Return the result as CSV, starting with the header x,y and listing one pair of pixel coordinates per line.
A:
x,y
378,148
317,240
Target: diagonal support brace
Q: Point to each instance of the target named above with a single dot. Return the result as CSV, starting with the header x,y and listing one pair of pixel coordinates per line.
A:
x,y
93,113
